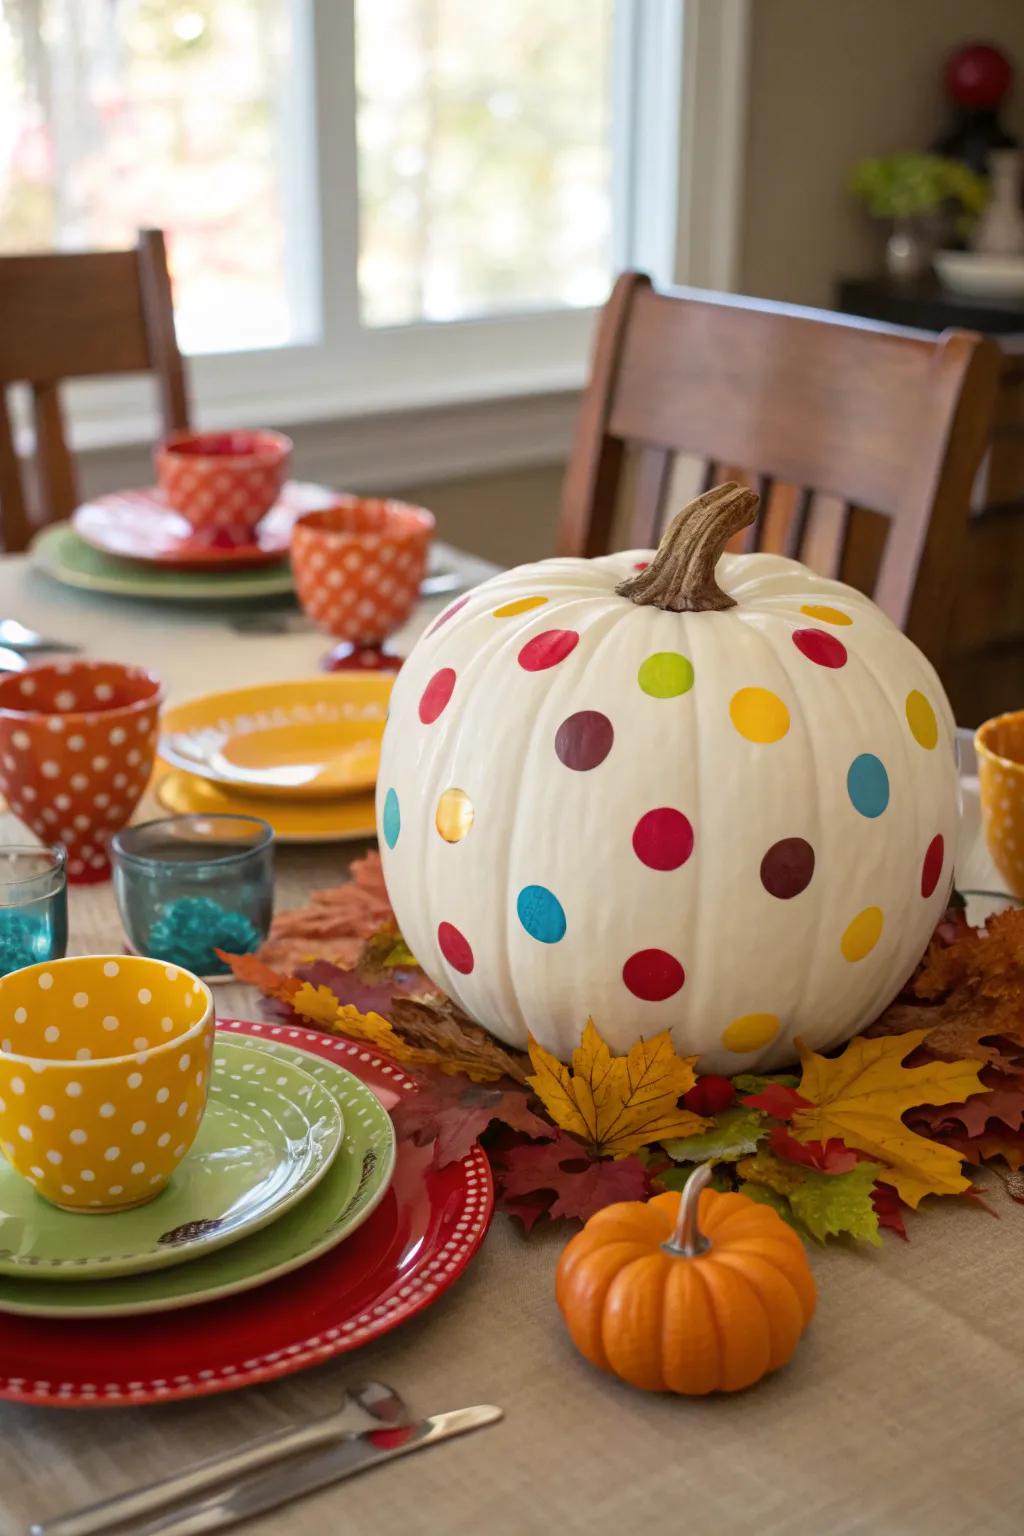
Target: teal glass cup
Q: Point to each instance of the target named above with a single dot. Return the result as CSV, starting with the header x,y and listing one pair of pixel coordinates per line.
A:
x,y
33,906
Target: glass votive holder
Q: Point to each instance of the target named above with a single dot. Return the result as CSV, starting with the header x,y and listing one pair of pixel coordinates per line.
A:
x,y
33,906
187,886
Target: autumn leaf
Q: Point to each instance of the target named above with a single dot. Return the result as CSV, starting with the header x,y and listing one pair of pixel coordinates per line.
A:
x,y
779,1204
823,1204
765,1169
732,1134
581,1184
860,1097
889,1209
319,1005
453,1114
777,1101
617,1104
353,989
828,1157
438,1028
251,970
755,1082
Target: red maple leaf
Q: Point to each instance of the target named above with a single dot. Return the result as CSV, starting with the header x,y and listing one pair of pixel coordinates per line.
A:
x,y
580,1183
453,1114
777,1101
889,1209
832,1156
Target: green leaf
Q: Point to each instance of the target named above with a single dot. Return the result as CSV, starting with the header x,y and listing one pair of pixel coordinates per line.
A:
x,y
765,1196
678,1178
735,1132
831,1204
751,1082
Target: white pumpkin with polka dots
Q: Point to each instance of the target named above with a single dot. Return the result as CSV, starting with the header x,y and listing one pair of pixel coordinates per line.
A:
x,y
736,822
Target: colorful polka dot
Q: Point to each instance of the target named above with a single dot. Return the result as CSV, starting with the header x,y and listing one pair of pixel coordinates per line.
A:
x,y
455,948
449,613
521,605
823,649
862,934
454,815
921,718
931,869
759,715
750,1032
641,565
825,614
666,675
391,820
584,740
541,914
436,694
867,784
548,649
663,838
787,867
653,975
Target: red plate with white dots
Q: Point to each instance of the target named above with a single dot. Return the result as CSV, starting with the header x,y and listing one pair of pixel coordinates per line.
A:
x,y
139,525
415,1245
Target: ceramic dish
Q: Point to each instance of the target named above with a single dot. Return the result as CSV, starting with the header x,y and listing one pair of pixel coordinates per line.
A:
x,y
356,1179
416,1244
266,1140
65,557
993,277
316,738
139,525
293,821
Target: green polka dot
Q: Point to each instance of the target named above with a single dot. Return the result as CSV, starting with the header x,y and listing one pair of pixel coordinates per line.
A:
x,y
665,675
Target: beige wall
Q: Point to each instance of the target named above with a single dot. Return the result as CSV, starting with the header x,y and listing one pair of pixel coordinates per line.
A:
x,y
831,81
509,518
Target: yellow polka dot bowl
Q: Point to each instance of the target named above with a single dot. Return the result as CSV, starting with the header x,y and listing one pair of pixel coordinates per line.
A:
x,y
999,744
104,1071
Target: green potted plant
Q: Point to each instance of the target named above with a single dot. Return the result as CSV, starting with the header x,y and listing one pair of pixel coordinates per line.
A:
x,y
914,191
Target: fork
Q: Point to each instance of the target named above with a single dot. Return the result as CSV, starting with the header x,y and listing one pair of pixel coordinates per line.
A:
x,y
20,638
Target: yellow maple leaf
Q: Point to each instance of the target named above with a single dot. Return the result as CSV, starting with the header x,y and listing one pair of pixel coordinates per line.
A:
x,y
860,1097
317,1004
617,1103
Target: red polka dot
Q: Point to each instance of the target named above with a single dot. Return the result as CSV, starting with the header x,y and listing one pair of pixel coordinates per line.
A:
x,y
449,613
652,975
931,869
548,649
641,565
787,867
663,839
584,740
455,947
820,647
436,694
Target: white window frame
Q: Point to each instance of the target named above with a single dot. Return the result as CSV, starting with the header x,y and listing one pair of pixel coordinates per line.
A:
x,y
679,84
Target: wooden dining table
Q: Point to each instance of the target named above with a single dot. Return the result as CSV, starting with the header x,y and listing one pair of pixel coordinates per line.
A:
x,y
900,1414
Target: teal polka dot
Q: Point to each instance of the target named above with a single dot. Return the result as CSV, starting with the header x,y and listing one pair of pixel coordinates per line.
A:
x,y
541,914
391,821
867,784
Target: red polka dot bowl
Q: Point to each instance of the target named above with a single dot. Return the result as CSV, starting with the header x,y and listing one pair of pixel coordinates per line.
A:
x,y
77,742
358,566
223,483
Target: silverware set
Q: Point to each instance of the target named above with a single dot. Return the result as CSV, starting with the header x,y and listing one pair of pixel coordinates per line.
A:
x,y
272,1470
18,644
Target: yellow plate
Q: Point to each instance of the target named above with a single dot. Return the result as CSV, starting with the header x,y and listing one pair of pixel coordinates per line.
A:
x,y
314,739
295,821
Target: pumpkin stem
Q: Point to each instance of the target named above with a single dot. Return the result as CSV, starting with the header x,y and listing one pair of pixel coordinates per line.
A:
x,y
687,1238
681,577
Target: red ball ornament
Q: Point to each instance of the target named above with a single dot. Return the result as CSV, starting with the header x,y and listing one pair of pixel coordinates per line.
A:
x,y
710,1095
978,75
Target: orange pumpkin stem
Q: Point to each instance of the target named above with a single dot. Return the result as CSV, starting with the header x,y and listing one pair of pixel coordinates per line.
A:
x,y
681,577
688,1239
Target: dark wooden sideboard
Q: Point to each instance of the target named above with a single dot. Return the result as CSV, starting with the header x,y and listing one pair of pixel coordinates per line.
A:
x,y
984,667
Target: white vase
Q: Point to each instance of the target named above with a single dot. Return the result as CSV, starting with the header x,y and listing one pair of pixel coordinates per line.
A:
x,y
1000,230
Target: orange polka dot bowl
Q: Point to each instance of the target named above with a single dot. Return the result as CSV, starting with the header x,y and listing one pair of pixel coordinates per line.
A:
x,y
690,790
358,566
999,744
77,742
223,483
104,1070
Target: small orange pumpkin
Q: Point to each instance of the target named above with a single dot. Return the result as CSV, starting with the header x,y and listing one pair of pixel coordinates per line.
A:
x,y
670,1305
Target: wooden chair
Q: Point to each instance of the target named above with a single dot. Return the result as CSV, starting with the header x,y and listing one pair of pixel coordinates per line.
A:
x,y
823,415
70,316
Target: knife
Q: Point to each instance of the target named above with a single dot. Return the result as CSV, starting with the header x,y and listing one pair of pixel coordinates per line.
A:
x,y
253,1495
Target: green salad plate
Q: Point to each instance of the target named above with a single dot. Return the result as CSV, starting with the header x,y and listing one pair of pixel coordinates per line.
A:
x,y
67,558
265,1141
352,1186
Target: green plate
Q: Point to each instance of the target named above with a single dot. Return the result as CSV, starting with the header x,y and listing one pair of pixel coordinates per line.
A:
x,y
65,557
352,1187
266,1139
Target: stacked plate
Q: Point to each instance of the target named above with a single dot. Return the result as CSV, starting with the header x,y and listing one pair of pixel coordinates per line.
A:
x,y
303,755
296,1151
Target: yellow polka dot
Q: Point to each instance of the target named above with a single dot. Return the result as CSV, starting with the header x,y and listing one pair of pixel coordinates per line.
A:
x,y
454,815
921,718
750,1032
521,605
759,715
862,934
825,614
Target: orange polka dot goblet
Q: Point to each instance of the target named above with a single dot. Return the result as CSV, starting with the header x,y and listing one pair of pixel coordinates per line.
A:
x,y
358,567
77,741
999,744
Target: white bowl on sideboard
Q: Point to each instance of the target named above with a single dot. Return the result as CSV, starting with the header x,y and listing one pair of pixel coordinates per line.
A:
x,y
971,272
